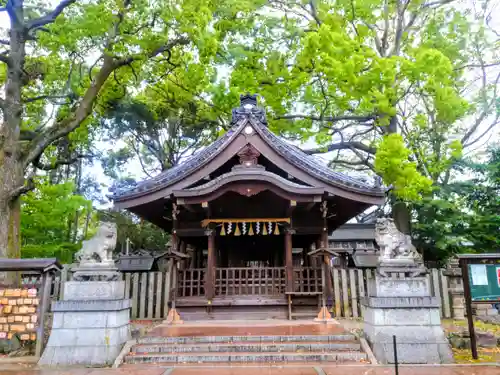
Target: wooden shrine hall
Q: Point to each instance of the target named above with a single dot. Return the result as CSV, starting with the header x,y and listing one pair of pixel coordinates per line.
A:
x,y
247,210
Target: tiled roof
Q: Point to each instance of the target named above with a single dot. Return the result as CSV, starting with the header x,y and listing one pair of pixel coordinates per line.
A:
x,y
241,116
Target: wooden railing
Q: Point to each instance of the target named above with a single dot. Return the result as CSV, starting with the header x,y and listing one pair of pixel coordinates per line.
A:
x,y
268,281
191,282
307,280
149,291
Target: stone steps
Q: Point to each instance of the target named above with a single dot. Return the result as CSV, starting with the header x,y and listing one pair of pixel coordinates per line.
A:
x,y
246,357
246,349
253,338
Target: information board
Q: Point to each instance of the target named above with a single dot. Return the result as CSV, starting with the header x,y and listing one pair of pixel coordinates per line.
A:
x,y
484,282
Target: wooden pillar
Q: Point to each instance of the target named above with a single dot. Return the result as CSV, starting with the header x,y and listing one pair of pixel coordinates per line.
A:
x,y
326,260
194,256
209,282
182,249
288,259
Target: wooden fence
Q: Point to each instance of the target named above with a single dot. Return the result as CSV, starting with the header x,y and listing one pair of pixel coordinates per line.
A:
x,y
150,292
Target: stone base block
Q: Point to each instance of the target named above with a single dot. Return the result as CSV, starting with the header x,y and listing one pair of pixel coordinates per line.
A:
x,y
413,353
92,355
94,290
419,335
406,287
86,338
85,330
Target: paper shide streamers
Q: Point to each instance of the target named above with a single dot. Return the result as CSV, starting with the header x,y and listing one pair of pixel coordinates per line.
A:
x,y
250,228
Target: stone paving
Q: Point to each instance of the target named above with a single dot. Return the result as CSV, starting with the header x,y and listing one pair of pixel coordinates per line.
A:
x,y
267,370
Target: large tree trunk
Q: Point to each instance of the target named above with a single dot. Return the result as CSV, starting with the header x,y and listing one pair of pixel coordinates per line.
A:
x,y
401,216
11,165
400,210
10,213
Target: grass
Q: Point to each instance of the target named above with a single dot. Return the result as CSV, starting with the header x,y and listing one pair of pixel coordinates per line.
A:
x,y
450,325
485,355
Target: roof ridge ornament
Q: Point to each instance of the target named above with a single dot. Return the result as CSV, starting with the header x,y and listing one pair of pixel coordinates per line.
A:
x,y
248,99
248,108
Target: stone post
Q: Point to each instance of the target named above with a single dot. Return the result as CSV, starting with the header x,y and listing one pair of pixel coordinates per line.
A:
x,y
399,303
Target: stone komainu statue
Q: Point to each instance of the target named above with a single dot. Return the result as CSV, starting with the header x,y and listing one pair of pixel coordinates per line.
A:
x,y
99,249
393,244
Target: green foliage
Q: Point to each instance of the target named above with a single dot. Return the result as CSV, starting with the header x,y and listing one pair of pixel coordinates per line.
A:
x,y
155,130
393,165
45,214
350,73
463,216
142,234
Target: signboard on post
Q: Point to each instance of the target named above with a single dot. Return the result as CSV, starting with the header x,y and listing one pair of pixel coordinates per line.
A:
x,y
484,282
481,278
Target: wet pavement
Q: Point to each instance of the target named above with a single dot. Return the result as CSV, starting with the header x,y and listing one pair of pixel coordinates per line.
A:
x,y
313,369
277,328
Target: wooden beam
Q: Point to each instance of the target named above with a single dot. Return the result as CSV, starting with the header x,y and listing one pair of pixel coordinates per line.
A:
x,y
191,232
291,207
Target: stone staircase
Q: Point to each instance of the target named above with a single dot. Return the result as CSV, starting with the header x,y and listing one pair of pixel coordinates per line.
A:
x,y
246,349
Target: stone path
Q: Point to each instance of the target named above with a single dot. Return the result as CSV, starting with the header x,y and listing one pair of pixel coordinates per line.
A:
x,y
266,370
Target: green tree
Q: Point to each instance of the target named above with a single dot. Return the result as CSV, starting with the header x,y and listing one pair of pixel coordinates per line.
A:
x,y
141,234
157,137
76,57
464,215
381,84
45,213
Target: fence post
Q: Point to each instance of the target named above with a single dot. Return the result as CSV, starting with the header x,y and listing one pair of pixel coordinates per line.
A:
x,y
396,365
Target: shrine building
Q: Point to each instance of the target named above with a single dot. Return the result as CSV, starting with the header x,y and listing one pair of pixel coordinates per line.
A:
x,y
247,210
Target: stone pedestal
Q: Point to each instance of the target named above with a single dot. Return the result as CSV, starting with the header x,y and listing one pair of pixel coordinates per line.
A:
x,y
454,274
399,303
89,326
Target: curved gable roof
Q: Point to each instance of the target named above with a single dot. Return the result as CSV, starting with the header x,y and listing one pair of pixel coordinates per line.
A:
x,y
243,116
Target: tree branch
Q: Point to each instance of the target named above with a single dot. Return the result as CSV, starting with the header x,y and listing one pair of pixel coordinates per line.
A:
x,y
181,41
437,3
48,167
79,113
342,146
23,189
4,57
327,118
49,17
50,97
